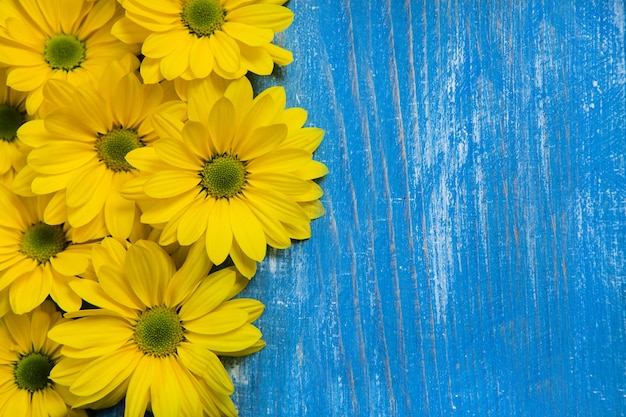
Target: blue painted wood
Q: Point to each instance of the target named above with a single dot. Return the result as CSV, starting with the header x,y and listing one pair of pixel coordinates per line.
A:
x,y
471,261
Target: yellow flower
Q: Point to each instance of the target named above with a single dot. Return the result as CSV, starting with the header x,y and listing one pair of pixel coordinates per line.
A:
x,y
193,38
62,39
26,358
156,334
79,148
12,116
237,175
37,259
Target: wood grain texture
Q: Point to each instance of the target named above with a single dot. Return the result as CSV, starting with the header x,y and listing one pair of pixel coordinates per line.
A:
x,y
471,261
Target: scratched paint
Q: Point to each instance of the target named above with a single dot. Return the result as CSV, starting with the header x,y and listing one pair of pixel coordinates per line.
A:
x,y
471,261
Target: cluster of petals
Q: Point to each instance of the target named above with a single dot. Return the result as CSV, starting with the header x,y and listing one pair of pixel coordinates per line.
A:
x,y
141,182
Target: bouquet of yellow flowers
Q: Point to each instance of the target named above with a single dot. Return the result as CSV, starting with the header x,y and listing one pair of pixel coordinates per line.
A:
x,y
141,182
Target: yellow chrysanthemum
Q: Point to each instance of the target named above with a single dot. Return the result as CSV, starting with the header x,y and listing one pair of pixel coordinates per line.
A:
x,y
12,116
238,174
79,148
58,39
193,38
156,334
37,259
26,358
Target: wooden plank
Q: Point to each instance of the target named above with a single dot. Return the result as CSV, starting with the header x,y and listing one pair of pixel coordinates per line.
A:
x,y
471,260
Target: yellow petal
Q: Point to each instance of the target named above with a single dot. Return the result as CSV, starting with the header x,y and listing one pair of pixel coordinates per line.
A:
x,y
236,340
201,58
256,59
196,138
280,55
280,160
263,139
226,52
54,404
81,191
218,321
219,234
128,31
144,159
308,138
63,295
25,78
250,35
60,157
312,170
91,332
94,294
106,373
247,230
119,215
174,64
170,183
149,268
275,232
254,308
287,184
173,152
170,391
159,45
138,394
39,326
196,267
151,70
207,365
193,225
165,210
273,17
222,124
28,292
23,267
210,293
118,288
245,265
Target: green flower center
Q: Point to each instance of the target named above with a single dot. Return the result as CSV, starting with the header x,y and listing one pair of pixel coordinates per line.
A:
x,y
224,176
10,120
42,241
158,331
32,371
113,146
203,17
64,52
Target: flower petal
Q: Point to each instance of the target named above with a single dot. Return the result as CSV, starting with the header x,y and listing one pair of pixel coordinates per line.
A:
x,y
149,268
28,292
210,293
222,120
219,233
138,393
247,230
167,184
207,365
106,373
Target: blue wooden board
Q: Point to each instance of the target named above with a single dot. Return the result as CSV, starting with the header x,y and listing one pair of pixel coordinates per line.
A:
x,y
472,258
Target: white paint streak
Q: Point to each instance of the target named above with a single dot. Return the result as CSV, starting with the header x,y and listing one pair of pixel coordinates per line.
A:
x,y
440,244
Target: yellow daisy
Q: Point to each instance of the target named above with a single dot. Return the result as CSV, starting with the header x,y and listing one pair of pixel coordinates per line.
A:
x,y
12,116
37,259
79,148
26,358
58,39
239,174
157,333
193,38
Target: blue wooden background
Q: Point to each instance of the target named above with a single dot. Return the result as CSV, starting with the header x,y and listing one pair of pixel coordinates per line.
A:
x,y
472,258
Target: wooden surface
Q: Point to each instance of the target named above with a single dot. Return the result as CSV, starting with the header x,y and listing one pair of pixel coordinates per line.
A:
x,y
472,258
